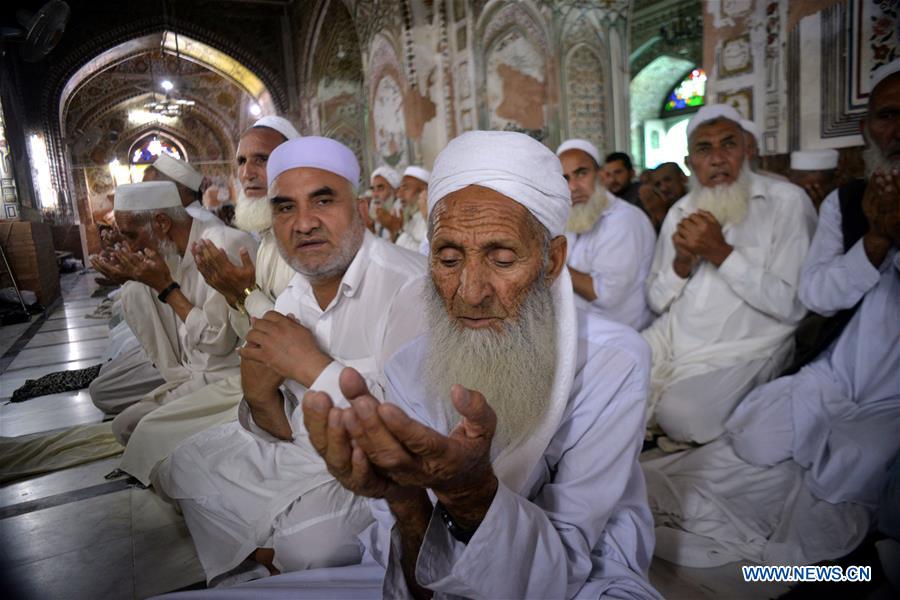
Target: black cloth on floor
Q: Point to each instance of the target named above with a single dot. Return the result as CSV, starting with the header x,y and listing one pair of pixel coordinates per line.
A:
x,y
56,383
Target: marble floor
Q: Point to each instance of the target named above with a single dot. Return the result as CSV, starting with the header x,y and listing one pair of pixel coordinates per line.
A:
x,y
74,534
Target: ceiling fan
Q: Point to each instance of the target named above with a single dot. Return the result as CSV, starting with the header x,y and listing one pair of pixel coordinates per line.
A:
x,y
38,33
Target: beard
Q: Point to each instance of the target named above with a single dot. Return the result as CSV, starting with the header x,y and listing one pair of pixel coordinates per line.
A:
x,y
253,215
582,217
876,160
335,264
513,368
727,203
169,252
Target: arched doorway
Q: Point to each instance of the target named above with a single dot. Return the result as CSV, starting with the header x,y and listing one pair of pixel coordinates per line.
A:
x,y
665,138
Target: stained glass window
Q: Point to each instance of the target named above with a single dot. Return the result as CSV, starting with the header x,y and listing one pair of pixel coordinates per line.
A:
x,y
152,146
687,95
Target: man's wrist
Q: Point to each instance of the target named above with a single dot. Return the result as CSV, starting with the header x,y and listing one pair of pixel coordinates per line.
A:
x,y
876,246
308,370
719,254
468,505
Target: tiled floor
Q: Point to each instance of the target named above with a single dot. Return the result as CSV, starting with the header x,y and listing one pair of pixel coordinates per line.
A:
x,y
73,534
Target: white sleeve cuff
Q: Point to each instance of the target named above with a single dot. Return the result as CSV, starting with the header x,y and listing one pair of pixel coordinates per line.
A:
x,y
328,381
258,304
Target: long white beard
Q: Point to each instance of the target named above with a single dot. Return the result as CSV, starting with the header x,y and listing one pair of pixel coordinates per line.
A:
x,y
169,251
253,215
727,203
875,160
582,217
513,368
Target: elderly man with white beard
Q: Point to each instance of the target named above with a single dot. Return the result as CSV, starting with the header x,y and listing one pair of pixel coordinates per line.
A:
x,y
250,291
724,280
385,210
412,186
504,461
185,330
255,495
610,242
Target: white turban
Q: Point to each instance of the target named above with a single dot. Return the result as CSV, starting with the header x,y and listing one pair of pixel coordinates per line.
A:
x,y
279,124
711,112
814,160
179,171
583,145
417,173
316,153
147,195
512,164
390,175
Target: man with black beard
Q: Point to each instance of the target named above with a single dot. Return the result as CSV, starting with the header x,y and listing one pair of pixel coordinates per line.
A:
x,y
180,321
505,458
250,290
610,241
724,280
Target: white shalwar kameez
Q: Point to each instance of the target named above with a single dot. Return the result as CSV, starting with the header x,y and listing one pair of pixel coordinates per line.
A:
x,y
801,468
723,331
157,435
414,233
831,279
188,354
616,253
240,488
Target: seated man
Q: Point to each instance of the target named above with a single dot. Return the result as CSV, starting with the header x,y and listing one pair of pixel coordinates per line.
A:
x,y
724,281
610,242
800,471
385,210
188,180
255,496
816,172
521,415
250,291
181,323
617,176
667,185
414,182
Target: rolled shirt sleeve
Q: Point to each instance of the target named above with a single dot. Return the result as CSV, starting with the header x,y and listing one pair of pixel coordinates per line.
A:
x,y
831,279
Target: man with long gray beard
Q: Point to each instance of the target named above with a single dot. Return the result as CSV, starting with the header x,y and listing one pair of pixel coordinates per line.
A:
x,y
519,414
724,280
185,330
805,459
255,495
610,242
250,291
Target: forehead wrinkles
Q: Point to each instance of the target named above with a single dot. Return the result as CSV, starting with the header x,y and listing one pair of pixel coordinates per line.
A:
x,y
480,217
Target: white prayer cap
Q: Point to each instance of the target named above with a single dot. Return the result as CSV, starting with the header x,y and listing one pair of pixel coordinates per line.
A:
x,y
279,124
710,112
179,171
583,145
147,195
883,72
417,172
754,130
512,164
814,160
390,175
316,153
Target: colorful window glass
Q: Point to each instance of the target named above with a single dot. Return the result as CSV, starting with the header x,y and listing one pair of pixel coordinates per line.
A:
x,y
687,95
151,147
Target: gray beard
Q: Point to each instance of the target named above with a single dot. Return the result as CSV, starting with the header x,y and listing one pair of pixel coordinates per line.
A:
x,y
875,161
169,251
253,215
338,262
727,203
514,369
582,217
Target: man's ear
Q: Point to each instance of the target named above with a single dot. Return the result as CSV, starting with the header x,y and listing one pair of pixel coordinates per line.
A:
x,y
557,257
162,224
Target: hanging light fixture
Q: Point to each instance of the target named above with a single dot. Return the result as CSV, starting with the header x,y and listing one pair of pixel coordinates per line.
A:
x,y
169,106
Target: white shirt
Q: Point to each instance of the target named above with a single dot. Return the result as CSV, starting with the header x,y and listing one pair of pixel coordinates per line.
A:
x,y
580,525
616,253
747,307
831,279
414,233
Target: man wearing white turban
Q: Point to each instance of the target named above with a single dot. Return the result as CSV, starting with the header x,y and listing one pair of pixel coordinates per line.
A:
x,y
724,281
250,290
181,323
385,210
255,495
610,241
412,186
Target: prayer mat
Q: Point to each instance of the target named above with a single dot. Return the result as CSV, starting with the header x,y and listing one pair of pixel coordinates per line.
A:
x,y
56,383
40,453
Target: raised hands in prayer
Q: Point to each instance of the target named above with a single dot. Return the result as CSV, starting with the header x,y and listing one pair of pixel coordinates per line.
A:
x,y
390,221
881,205
700,235
227,278
146,266
285,346
107,265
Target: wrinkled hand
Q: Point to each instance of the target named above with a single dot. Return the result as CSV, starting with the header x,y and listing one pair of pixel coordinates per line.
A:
x,y
260,384
389,221
106,264
147,267
224,276
700,234
881,201
286,347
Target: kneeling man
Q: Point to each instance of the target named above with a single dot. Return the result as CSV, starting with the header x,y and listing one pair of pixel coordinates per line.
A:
x,y
505,463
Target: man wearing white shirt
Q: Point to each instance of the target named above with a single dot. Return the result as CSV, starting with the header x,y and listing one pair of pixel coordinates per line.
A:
x,y
255,495
413,184
610,242
724,280
385,211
